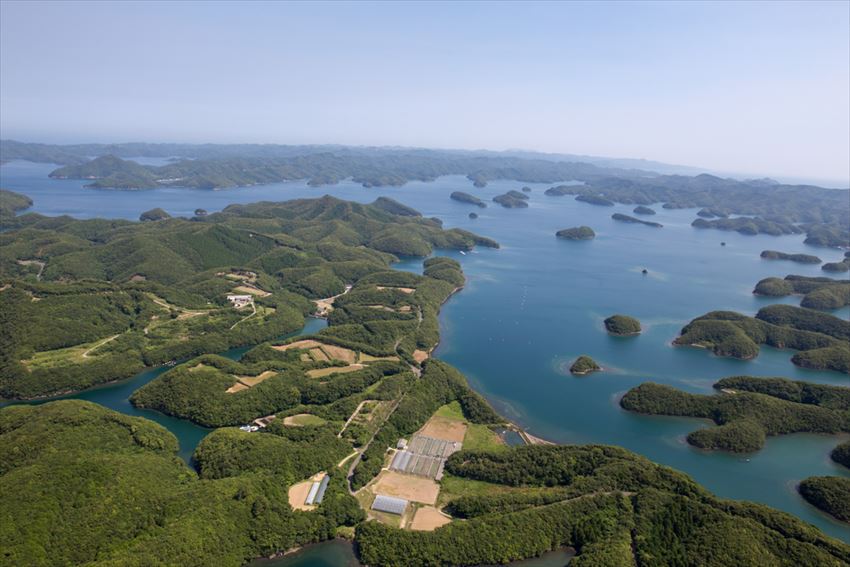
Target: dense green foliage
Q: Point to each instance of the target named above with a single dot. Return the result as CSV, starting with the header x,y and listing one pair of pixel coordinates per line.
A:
x,y
622,325
118,296
626,218
11,203
512,200
467,198
839,267
828,493
800,258
576,233
728,333
80,484
614,507
751,409
841,454
584,365
643,210
818,293
154,215
750,226
805,320
595,200
230,452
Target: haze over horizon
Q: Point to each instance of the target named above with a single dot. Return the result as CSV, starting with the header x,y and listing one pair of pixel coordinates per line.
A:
x,y
749,88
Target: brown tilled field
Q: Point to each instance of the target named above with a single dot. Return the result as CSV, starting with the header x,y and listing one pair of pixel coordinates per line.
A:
x,y
444,428
414,488
428,519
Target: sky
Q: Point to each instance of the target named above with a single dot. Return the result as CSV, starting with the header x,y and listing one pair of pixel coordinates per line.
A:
x,y
761,87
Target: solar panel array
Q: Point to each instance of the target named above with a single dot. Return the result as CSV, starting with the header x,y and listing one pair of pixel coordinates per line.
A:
x,y
389,504
424,456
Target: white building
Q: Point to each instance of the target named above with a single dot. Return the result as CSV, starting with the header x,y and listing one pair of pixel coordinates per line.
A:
x,y
239,301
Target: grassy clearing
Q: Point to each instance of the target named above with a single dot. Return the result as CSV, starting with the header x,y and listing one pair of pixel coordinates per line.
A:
x,y
305,419
482,438
451,411
452,487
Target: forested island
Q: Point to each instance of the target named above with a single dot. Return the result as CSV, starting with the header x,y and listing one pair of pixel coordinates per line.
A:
x,y
838,267
799,258
467,198
643,210
818,293
584,365
830,494
770,207
820,338
748,409
622,325
512,200
576,233
626,218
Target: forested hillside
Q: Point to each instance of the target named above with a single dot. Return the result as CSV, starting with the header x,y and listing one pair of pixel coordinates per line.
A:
x,y
87,301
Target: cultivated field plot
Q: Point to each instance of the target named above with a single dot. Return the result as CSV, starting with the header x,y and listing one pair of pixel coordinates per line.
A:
x,y
416,489
428,518
443,428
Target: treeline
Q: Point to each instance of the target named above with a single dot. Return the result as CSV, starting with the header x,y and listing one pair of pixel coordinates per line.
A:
x,y
728,333
828,493
818,293
614,507
754,409
197,390
134,501
162,286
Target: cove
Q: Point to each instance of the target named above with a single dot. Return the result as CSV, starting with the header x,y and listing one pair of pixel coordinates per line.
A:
x,y
532,306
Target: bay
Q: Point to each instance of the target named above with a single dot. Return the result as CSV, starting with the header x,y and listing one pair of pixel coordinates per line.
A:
x,y
532,306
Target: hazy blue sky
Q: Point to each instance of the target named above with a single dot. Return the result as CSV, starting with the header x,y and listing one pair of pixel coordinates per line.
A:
x,y
750,87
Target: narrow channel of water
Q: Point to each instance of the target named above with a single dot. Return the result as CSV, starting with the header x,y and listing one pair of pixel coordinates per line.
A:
x,y
116,396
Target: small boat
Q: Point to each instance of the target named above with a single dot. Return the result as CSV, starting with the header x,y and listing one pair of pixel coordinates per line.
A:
x,y
462,252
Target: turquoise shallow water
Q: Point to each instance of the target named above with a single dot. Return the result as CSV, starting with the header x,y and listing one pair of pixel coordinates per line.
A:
x,y
535,304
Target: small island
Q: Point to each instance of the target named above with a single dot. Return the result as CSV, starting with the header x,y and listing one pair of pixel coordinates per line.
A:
x,y
642,210
836,267
512,200
841,454
526,189
712,213
561,190
831,494
584,365
467,198
595,200
154,215
626,218
800,258
577,233
473,216
622,325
